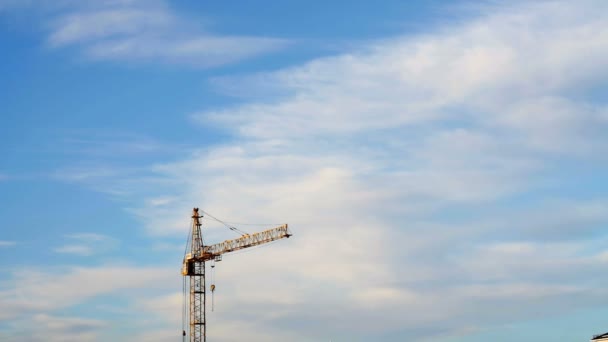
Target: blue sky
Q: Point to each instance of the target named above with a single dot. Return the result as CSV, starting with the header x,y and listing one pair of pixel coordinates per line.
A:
x,y
441,164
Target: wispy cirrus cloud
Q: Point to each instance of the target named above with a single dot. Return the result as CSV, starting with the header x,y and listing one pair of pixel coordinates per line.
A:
x,y
4,243
113,144
86,244
141,31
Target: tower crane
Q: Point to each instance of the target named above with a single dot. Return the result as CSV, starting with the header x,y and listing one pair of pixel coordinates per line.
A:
x,y
194,267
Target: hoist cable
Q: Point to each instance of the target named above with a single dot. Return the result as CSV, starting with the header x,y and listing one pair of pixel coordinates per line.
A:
x,y
184,309
187,242
234,229
212,286
252,224
184,305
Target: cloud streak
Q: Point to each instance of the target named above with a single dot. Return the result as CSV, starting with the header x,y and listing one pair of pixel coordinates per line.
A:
x,y
87,244
142,32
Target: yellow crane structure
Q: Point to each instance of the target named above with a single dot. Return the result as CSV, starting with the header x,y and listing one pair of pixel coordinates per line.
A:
x,y
194,267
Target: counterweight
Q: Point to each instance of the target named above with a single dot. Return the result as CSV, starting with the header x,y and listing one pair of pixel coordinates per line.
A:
x,y
194,267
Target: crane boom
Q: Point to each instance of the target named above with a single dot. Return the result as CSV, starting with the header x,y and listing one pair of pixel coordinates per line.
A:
x,y
211,252
245,241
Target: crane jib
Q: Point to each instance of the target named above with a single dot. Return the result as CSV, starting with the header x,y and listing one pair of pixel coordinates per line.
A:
x,y
256,239
246,241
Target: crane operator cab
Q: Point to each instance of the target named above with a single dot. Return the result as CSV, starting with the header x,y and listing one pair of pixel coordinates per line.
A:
x,y
188,266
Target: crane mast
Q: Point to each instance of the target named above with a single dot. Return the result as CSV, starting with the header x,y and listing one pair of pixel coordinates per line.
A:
x,y
194,267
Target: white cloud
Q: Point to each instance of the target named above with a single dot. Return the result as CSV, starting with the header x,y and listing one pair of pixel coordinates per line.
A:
x,y
112,144
491,65
4,243
37,305
141,31
75,249
87,244
204,51
65,287
160,201
93,237
43,327
101,24
418,171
